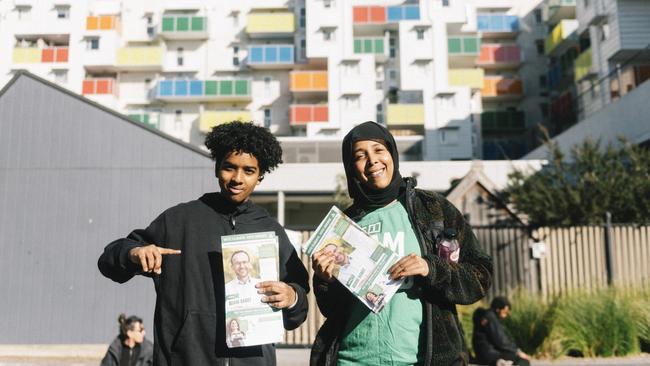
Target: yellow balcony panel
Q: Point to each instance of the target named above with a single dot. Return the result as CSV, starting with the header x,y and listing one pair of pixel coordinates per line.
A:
x,y
562,31
140,58
210,119
467,77
405,115
308,81
582,65
26,55
265,23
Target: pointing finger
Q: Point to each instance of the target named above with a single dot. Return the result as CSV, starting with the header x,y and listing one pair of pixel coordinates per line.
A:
x,y
165,251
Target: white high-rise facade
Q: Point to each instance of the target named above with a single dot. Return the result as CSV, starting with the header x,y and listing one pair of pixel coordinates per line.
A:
x,y
451,79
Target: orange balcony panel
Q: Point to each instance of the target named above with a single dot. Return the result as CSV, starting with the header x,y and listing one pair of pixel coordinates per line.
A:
x,y
321,114
103,87
320,80
377,14
360,14
308,81
495,87
92,23
491,54
106,22
302,114
300,81
88,87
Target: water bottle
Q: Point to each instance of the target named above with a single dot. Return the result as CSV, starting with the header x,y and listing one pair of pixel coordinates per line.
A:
x,y
448,247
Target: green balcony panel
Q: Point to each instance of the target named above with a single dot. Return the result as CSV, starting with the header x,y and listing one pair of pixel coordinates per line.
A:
x,y
379,46
225,87
241,87
454,45
198,23
470,45
182,24
168,24
367,45
211,87
357,46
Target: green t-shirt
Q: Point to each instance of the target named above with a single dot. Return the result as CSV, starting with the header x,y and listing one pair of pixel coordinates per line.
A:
x,y
394,336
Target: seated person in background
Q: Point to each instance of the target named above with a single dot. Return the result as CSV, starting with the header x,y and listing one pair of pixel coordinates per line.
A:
x,y
129,348
490,340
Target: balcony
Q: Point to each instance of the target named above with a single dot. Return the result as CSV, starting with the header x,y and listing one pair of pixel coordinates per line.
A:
x,y
151,120
463,45
381,15
308,81
270,24
185,90
405,115
499,56
565,30
184,27
140,58
99,86
497,24
582,66
102,23
301,114
30,55
271,56
502,121
466,77
373,45
561,9
502,88
209,119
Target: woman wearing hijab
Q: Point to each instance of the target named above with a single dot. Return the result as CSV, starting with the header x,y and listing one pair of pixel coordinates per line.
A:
x,y
441,263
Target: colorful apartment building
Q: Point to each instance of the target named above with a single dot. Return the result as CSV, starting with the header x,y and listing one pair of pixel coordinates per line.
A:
x,y
453,80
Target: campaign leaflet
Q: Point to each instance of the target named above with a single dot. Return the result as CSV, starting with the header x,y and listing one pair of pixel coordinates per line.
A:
x,y
362,262
247,260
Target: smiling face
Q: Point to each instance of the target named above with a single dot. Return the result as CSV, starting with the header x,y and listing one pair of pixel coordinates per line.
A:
x,y
234,326
238,174
241,264
373,164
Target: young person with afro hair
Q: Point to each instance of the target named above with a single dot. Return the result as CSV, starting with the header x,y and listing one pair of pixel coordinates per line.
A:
x,y
181,251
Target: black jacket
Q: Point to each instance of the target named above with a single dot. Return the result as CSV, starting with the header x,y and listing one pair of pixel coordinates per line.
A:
x,y
189,324
491,341
446,285
112,357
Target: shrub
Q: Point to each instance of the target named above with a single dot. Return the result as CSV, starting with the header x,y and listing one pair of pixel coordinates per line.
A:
x,y
529,322
601,324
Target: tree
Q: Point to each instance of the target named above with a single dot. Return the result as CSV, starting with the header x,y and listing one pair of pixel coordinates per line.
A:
x,y
342,199
582,189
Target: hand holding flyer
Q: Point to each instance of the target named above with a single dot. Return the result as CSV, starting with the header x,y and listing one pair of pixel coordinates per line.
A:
x,y
249,259
361,262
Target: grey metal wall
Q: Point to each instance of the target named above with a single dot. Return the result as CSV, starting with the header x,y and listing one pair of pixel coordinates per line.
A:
x,y
73,177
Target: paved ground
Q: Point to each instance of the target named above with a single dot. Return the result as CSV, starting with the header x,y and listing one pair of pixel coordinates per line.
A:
x,y
54,356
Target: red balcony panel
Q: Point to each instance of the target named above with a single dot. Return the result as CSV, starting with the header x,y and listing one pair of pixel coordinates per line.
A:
x,y
103,87
62,54
47,55
509,86
88,87
321,114
360,14
302,114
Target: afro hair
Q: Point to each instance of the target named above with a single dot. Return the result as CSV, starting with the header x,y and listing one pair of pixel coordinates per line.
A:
x,y
245,137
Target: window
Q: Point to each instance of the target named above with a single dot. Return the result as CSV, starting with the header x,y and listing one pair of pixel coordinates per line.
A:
x,y
328,34
538,16
352,101
449,136
62,12
604,32
235,19
445,3
92,43
392,75
302,20
178,118
235,55
350,68
151,30
539,44
267,118
267,85
542,81
423,66
392,46
543,107
179,56
60,76
23,12
327,3
586,3
380,113
147,84
303,48
420,33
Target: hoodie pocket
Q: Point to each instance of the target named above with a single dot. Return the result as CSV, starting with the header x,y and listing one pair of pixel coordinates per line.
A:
x,y
196,340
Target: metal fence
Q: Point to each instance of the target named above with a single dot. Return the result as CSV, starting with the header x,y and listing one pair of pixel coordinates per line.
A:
x,y
577,257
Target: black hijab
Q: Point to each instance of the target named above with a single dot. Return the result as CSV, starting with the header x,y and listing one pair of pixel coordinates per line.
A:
x,y
365,197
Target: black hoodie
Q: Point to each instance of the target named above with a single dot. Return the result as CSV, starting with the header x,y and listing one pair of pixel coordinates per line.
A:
x,y
189,324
